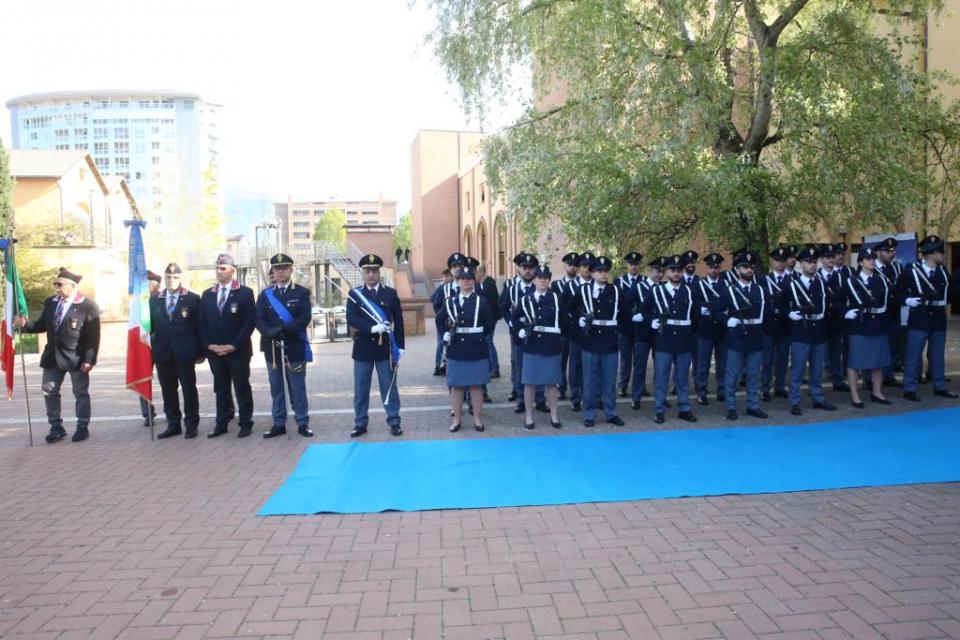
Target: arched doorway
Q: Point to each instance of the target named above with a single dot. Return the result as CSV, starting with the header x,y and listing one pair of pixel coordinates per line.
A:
x,y
467,242
482,245
500,245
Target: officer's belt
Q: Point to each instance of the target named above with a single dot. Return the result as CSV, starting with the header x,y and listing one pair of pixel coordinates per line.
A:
x,y
542,329
934,303
469,330
679,323
876,310
604,323
753,321
812,316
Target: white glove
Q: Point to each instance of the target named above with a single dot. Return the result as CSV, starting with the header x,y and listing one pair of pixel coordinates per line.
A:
x,y
852,314
522,334
378,328
796,315
446,337
401,352
583,323
704,311
655,324
638,317
733,322
913,302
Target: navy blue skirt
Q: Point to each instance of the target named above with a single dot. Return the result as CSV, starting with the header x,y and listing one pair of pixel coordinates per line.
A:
x,y
538,369
468,373
868,352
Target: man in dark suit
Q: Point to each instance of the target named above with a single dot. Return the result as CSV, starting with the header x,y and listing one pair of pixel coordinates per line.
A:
x,y
227,316
72,324
374,312
175,341
283,314
487,287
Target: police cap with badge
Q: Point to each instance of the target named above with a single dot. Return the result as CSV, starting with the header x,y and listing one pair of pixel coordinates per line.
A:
x,y
658,263
932,244
456,260
887,244
527,260
690,257
280,261
585,258
713,259
674,262
780,254
542,271
808,254
373,261
600,263
745,259
633,258
571,258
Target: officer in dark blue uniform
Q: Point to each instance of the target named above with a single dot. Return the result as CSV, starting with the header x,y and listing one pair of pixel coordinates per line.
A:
x,y
711,329
575,361
227,318
72,324
175,342
509,301
565,288
671,307
283,315
808,302
746,304
835,274
890,268
374,312
924,286
455,262
776,330
625,283
642,335
601,311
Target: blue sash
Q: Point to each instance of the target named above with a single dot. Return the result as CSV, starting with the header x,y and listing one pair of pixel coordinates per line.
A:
x,y
284,315
377,312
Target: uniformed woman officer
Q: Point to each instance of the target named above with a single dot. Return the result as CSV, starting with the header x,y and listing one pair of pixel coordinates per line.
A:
x,y
540,320
862,300
467,319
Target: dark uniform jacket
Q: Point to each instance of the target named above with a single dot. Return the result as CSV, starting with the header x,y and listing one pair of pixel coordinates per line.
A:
x,y
510,297
296,300
710,324
747,337
677,318
76,341
440,294
872,319
176,336
488,289
367,346
545,321
891,271
474,320
575,334
609,312
934,294
777,321
636,302
234,325
811,301
835,279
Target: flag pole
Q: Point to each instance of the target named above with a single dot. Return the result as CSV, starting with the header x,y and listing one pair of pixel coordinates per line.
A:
x,y
26,394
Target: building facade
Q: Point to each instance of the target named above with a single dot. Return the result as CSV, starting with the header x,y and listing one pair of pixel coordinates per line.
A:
x,y
370,224
160,142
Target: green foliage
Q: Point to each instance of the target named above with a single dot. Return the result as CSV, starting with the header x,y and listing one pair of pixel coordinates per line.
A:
x,y
36,277
730,122
205,227
401,233
6,191
331,227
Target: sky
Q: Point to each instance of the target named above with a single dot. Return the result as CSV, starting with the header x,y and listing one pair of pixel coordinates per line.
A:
x,y
320,97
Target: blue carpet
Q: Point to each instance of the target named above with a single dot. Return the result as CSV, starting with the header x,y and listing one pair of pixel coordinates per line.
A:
x,y
457,473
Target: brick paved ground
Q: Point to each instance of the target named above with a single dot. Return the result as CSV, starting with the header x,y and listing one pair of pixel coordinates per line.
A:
x,y
120,537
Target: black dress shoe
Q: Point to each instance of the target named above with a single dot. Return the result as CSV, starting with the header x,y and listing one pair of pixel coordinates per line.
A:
x,y
542,407
667,404
780,393
658,418
857,405
169,433
521,408
946,393
512,397
673,391
702,401
487,399
588,423
732,415
911,396
190,434
843,386
146,422
879,400
893,382
925,378
795,410
765,396
305,431
357,432
443,369
478,427
616,420
687,415
575,406
721,397
246,431
275,431
757,413
555,425
81,434
623,392
217,432
437,372
395,430
529,426
454,428
635,405
824,406
56,434
562,396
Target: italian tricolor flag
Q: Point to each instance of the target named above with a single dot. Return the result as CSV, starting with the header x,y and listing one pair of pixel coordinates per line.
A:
x,y
14,304
139,354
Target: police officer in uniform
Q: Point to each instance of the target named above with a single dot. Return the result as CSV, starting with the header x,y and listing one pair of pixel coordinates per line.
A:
x,y
509,302
575,361
227,318
776,334
890,269
924,286
455,262
565,288
436,300
671,307
374,312
72,324
808,302
625,283
835,275
711,330
175,343
283,315
487,287
642,335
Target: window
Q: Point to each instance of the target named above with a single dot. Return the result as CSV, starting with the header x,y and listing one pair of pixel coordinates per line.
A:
x,y
121,132
155,161
155,146
99,133
123,163
468,201
483,192
102,163
154,131
301,225
300,212
62,147
33,135
80,146
80,133
157,206
101,147
188,105
301,246
60,134
121,147
301,236
124,104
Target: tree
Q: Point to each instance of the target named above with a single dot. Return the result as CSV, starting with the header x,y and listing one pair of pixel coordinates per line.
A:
x,y
735,122
401,233
6,191
205,227
331,227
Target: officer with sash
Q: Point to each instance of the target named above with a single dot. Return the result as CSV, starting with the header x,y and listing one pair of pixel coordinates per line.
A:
x,y
575,361
509,302
374,312
283,315
808,302
776,334
712,329
175,343
72,324
745,304
601,311
565,288
890,268
924,286
638,322
625,283
671,307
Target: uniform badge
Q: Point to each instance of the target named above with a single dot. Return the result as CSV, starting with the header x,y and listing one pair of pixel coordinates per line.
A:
x,y
234,308
74,323
184,313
